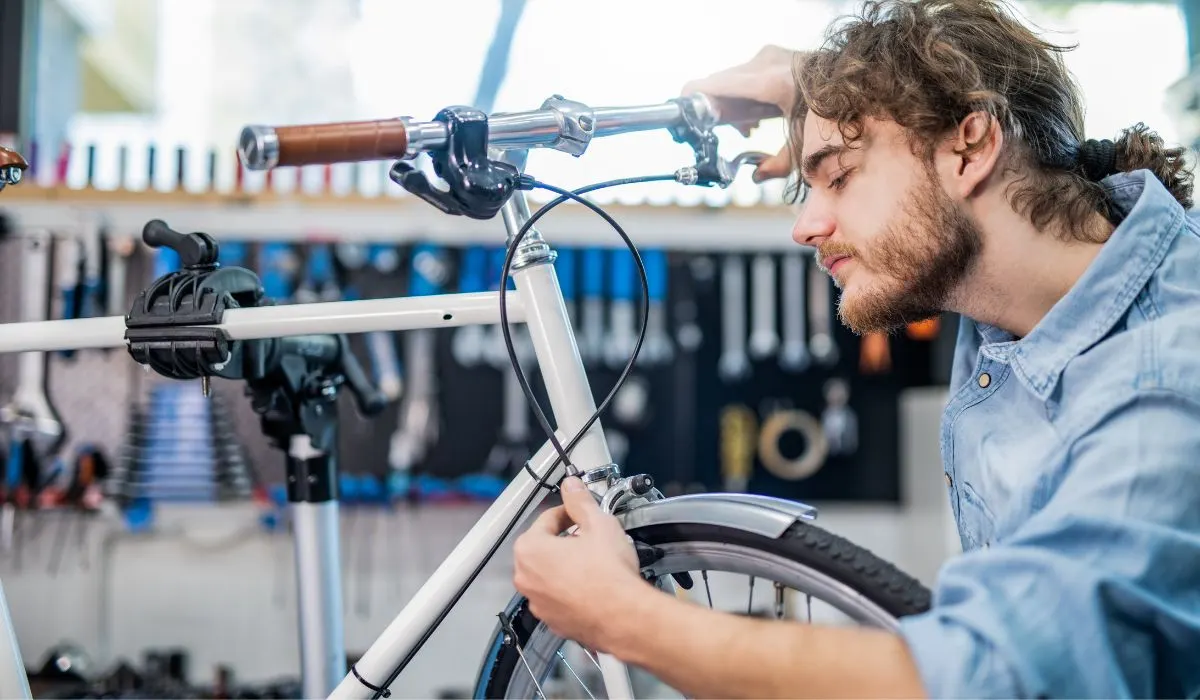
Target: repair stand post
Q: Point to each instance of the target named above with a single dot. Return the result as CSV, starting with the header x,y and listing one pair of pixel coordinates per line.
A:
x,y
13,681
293,384
312,492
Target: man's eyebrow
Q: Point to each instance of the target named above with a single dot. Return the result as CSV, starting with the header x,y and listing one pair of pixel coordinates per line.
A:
x,y
813,161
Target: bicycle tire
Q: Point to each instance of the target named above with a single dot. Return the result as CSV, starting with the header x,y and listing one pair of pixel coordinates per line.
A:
x,y
803,545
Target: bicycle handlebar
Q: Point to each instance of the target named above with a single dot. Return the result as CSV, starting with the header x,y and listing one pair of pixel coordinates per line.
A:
x,y
561,124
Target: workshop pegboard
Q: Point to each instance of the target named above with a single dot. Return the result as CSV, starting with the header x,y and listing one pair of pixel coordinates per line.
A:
x,y
684,437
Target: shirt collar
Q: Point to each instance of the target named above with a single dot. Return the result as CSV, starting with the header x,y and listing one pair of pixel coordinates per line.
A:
x,y
1150,220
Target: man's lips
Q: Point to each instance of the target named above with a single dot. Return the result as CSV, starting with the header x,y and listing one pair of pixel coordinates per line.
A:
x,y
832,262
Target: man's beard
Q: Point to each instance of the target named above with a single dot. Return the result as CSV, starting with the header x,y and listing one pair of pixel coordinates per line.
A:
x,y
925,257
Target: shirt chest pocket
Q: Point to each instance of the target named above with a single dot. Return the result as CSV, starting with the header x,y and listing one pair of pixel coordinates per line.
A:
x,y
976,524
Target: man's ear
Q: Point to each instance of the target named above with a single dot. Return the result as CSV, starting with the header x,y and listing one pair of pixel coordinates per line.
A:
x,y
972,155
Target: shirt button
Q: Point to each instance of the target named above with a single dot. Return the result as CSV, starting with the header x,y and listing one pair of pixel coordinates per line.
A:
x,y
984,380
949,481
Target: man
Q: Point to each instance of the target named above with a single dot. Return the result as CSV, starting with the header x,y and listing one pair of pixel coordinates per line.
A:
x,y
945,168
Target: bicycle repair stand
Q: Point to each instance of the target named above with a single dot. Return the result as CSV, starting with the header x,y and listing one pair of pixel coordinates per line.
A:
x,y
293,383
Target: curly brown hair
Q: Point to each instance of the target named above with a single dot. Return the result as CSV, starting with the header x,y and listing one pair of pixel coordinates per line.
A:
x,y
927,64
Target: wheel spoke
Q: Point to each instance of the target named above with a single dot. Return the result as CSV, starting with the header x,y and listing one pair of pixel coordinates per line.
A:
x,y
704,575
778,600
750,598
593,659
809,596
576,675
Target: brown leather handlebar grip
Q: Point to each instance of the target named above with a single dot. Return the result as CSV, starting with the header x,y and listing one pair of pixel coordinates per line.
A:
x,y
342,142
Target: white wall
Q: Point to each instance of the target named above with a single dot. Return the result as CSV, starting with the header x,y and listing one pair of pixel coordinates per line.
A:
x,y
214,583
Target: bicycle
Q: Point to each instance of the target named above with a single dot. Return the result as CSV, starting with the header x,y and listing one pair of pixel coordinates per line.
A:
x,y
203,321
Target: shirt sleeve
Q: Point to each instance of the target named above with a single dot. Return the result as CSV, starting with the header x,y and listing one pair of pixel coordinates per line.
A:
x,y
1098,593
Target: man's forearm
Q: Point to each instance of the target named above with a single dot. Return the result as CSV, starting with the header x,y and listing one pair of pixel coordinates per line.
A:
x,y
707,653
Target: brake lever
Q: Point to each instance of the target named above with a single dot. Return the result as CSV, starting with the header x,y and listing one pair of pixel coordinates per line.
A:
x,y
754,158
721,173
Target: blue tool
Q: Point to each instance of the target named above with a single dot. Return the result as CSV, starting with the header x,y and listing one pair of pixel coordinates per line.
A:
x,y
591,336
277,262
624,293
657,349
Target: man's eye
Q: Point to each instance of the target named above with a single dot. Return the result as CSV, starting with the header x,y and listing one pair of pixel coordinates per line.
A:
x,y
839,182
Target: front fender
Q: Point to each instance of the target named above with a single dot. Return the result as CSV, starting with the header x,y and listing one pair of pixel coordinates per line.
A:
x,y
761,515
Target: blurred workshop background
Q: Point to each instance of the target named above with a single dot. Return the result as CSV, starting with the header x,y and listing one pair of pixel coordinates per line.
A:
x,y
151,540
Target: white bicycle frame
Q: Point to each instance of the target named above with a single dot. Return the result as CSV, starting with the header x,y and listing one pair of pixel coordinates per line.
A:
x,y
537,302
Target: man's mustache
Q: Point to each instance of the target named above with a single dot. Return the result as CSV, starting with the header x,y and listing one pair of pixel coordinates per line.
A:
x,y
829,249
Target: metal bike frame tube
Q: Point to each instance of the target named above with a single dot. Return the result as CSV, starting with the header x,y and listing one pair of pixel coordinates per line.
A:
x,y
395,314
566,383
319,587
557,353
437,594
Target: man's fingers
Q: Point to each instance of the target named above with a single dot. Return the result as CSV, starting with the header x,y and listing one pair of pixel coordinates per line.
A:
x,y
580,504
552,521
778,165
736,83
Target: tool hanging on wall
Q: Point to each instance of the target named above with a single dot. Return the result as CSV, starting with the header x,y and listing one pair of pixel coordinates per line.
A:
x,y
656,348
351,259
95,262
467,344
781,422
279,266
621,313
511,449
32,428
689,337
925,330
822,345
318,283
70,261
120,250
385,364
793,353
733,366
738,425
838,420
418,425
26,478
764,340
82,497
592,337
875,355
351,256
630,406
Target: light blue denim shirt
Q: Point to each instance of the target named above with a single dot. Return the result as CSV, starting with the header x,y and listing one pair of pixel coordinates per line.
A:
x,y
1072,459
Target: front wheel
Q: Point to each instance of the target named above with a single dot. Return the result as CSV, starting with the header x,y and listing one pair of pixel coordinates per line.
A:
x,y
729,568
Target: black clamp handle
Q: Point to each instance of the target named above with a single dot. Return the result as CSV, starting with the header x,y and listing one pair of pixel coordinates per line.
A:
x,y
478,185
164,326
293,380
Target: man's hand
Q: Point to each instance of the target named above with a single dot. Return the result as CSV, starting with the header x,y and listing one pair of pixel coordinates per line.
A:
x,y
768,77
572,582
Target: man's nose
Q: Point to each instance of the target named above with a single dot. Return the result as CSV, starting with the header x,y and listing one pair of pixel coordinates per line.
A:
x,y
813,225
